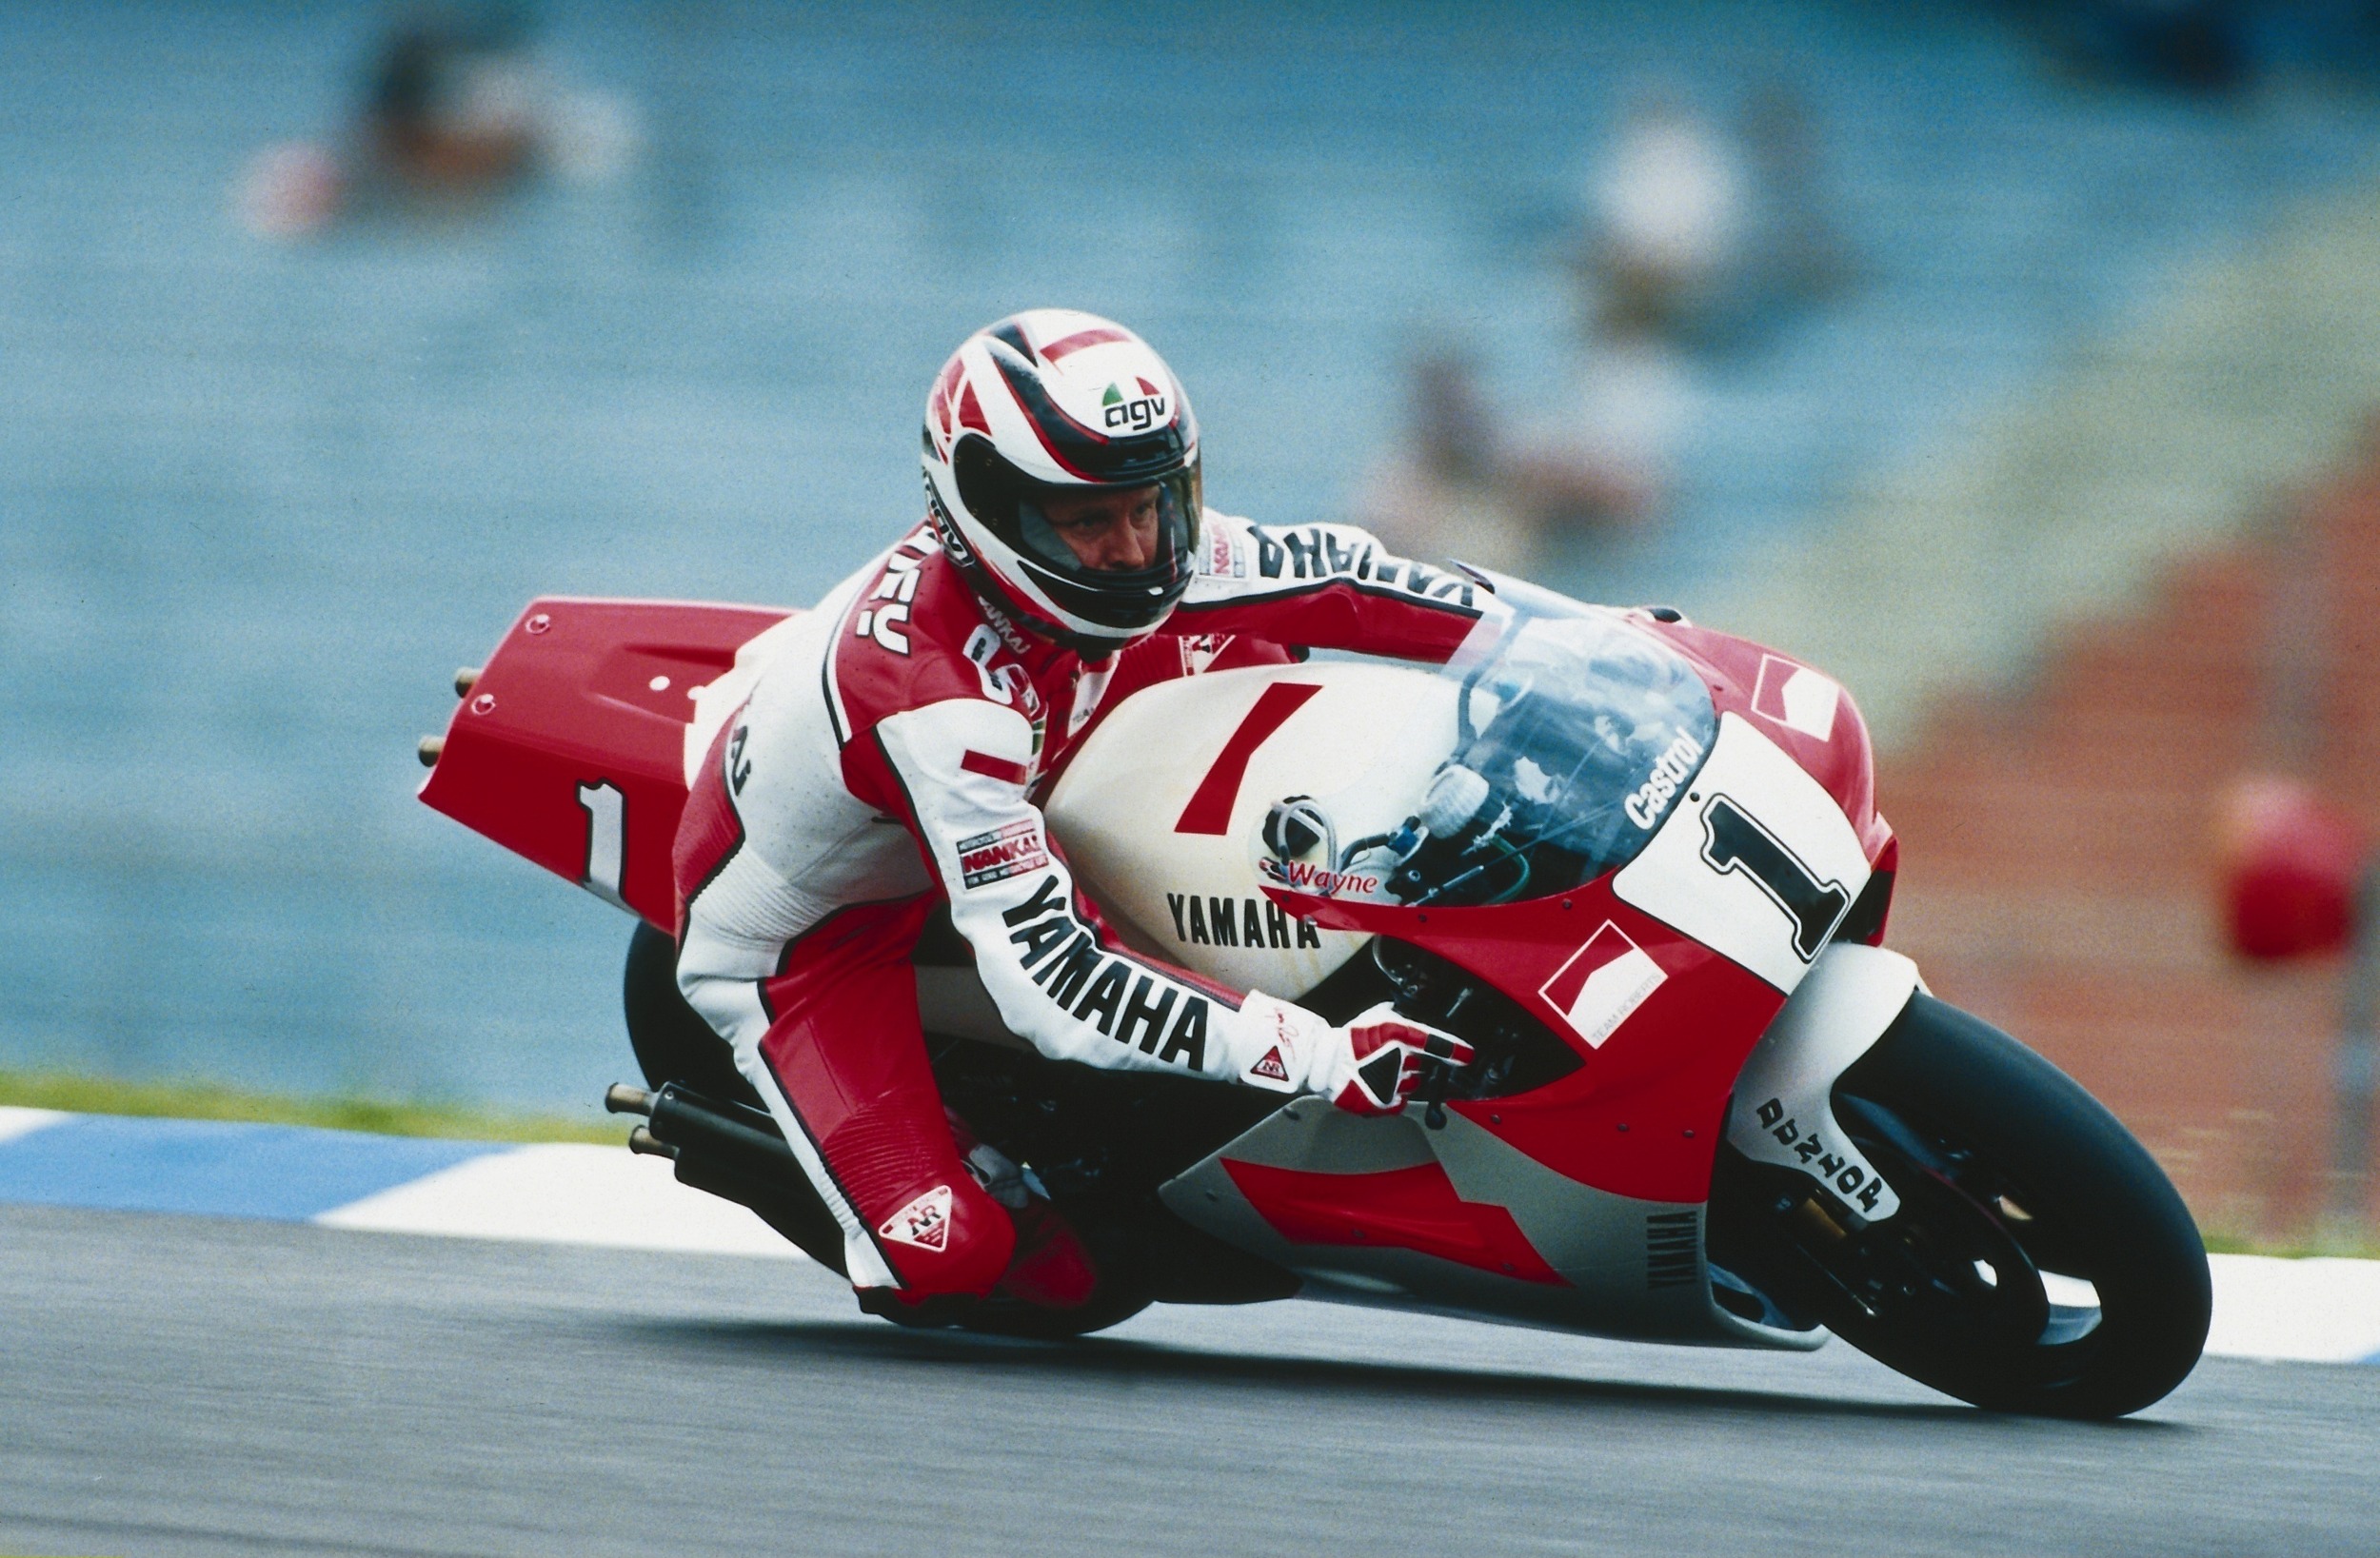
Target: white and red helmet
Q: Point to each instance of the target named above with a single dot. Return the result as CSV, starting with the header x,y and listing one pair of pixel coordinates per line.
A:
x,y
1054,401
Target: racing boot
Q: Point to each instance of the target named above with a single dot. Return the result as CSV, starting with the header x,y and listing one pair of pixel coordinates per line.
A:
x,y
1052,1285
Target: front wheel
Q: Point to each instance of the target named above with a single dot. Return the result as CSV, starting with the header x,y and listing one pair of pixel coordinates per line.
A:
x,y
2040,1261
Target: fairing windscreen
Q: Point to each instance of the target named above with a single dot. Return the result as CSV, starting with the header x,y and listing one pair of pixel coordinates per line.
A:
x,y
1544,755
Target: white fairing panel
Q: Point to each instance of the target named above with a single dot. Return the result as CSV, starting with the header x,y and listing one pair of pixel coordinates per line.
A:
x,y
1756,860
1784,1111
1194,897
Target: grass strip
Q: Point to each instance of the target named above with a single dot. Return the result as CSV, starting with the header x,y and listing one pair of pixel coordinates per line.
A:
x,y
206,1101
2298,1247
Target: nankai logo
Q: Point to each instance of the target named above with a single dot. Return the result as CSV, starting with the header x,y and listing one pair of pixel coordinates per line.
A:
x,y
1137,415
1005,851
1303,876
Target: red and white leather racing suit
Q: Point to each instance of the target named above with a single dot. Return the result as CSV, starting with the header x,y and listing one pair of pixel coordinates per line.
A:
x,y
887,760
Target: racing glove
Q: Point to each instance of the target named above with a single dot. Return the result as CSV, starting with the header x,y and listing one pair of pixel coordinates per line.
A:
x,y
1370,1066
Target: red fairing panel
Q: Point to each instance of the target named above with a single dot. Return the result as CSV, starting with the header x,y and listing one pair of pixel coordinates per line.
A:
x,y
1642,1117
1401,1209
1802,710
571,748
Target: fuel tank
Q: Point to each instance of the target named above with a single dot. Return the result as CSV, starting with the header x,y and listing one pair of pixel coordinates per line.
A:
x,y
1161,814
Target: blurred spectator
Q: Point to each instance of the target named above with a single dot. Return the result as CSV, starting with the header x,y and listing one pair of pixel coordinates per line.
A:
x,y
455,109
1666,213
2210,47
453,106
1697,234
1627,420
2197,46
1460,489
1452,434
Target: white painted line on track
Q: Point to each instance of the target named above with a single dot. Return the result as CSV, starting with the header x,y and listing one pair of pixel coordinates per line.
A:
x,y
16,1121
567,1193
2312,1311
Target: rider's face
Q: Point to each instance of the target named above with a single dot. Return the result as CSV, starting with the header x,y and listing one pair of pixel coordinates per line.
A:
x,y
1112,532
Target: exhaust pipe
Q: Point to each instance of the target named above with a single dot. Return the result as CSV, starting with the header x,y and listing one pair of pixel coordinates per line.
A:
x,y
433,746
735,1136
735,1152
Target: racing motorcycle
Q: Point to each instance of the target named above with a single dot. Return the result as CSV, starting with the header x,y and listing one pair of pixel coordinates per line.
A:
x,y
1637,863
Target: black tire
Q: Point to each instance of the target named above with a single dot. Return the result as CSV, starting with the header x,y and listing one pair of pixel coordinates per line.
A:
x,y
671,1040
2007,1170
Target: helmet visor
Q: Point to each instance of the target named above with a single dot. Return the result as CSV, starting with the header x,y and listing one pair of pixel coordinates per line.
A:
x,y
1118,554
1105,530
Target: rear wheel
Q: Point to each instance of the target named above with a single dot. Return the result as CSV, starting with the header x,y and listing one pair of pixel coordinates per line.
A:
x,y
2040,1261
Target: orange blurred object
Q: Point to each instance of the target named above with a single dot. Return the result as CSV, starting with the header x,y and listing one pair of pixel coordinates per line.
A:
x,y
291,191
2291,863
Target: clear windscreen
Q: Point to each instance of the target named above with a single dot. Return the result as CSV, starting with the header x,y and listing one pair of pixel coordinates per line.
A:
x,y
1558,739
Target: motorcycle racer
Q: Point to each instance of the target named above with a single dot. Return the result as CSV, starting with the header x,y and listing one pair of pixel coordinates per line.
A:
x,y
888,761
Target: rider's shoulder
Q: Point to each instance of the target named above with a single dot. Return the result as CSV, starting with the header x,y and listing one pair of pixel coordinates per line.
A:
x,y
901,640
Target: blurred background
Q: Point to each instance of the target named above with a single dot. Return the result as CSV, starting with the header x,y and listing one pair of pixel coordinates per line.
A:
x,y
2014,362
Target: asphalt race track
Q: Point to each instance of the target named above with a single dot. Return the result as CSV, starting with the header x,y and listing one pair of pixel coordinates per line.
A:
x,y
190,1385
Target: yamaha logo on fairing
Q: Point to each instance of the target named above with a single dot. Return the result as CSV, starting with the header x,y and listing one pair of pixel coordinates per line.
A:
x,y
1236,922
1134,416
1652,796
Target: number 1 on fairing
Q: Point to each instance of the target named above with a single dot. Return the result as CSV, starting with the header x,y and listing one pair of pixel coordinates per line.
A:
x,y
1735,840
606,840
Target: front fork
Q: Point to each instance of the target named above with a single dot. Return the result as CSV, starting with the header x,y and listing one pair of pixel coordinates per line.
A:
x,y
1783,1111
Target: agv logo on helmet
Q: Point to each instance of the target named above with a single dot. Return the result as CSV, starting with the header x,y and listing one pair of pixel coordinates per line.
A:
x,y
1137,415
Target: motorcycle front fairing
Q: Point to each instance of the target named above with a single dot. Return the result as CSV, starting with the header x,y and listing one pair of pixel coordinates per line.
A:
x,y
1609,830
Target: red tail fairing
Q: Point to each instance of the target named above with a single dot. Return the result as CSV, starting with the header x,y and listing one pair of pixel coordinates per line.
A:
x,y
570,747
